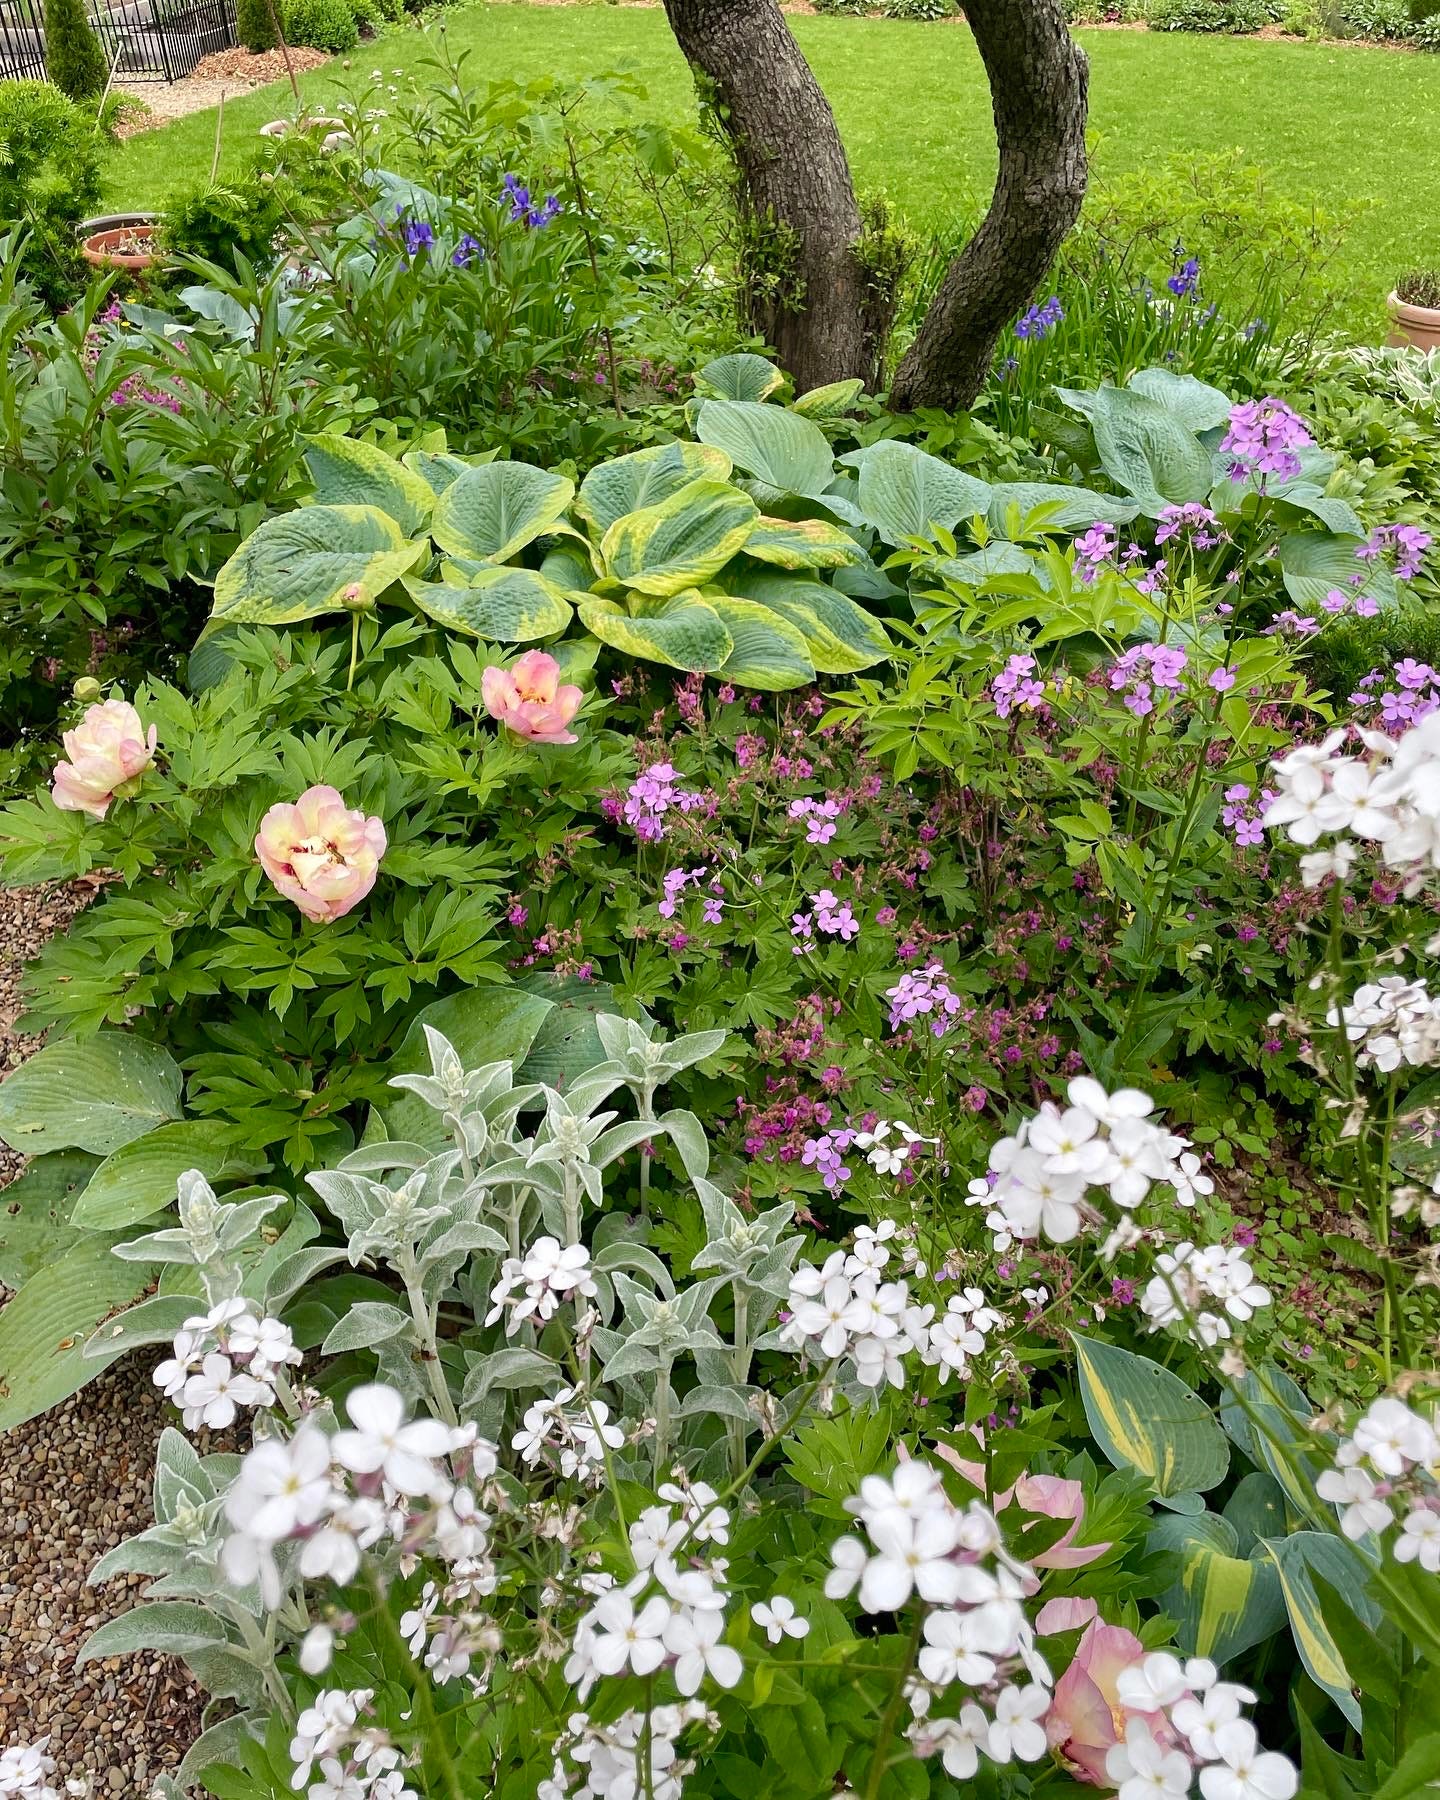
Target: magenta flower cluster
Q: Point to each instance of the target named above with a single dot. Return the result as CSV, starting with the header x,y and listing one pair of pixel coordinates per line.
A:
x,y
1142,670
923,994
651,795
1192,521
1094,549
819,817
1406,543
1243,812
1414,696
828,914
674,884
1263,439
1015,688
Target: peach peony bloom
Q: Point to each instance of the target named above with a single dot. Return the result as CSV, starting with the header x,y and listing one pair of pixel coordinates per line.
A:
x,y
1065,1613
1086,1717
320,853
106,749
528,699
1052,1497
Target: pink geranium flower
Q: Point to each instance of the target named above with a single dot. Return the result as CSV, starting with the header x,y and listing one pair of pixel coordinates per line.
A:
x,y
529,700
320,853
105,750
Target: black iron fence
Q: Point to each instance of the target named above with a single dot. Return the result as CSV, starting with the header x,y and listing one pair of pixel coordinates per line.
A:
x,y
146,40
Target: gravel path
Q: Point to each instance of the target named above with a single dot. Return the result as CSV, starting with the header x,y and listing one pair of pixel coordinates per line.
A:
x,y
72,1484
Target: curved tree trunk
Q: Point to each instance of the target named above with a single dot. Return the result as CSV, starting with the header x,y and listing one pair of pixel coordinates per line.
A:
x,y
807,290
1039,80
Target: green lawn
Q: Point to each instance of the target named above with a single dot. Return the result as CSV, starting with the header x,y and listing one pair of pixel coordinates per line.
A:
x,y
1348,125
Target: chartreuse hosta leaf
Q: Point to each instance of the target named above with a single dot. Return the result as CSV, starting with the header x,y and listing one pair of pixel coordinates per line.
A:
x,y
682,541
802,544
840,637
680,630
312,561
493,511
502,606
350,472
832,401
1222,1602
645,478
1145,1418
741,376
776,446
769,652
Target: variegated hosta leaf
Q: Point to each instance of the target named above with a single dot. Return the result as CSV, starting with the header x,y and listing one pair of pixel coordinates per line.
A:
x,y
682,541
777,446
315,560
741,376
1299,1557
350,472
502,606
832,401
769,651
495,510
645,478
570,564
840,636
802,544
1144,1417
438,468
1222,1602
682,631
905,492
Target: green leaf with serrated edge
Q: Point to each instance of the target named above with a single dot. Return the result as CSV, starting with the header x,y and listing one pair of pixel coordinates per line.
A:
x,y
140,1177
350,472
681,541
645,478
840,636
371,1322
904,492
315,560
1223,1603
35,1225
739,376
1345,1569
1198,406
493,511
681,631
769,652
500,606
771,443
1144,1417
43,1328
1315,564
1066,509
166,1627
802,544
91,1094
832,401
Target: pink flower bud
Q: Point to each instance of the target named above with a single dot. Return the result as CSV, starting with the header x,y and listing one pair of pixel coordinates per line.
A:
x,y
528,700
106,749
320,853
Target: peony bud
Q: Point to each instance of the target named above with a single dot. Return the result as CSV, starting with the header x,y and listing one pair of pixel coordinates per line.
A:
x,y
108,748
320,853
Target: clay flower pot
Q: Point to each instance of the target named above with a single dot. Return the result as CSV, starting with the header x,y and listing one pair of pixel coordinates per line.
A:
x,y
1417,325
122,243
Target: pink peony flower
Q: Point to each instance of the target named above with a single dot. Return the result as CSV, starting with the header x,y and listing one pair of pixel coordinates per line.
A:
x,y
528,699
106,749
1065,1613
320,853
1086,1716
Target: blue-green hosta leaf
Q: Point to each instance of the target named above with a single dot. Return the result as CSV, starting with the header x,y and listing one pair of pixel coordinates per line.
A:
x,y
1067,509
93,1094
998,557
1222,1602
789,454
485,1024
496,510
350,472
802,544
740,376
840,636
1144,447
1194,403
1343,1567
1336,515
499,605
1317,563
906,493
645,478
1145,1418
680,542
832,401
139,1178
1256,1509
35,1214
681,630
769,652
315,560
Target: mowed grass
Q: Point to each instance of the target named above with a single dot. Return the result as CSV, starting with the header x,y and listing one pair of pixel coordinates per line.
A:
x,y
1352,127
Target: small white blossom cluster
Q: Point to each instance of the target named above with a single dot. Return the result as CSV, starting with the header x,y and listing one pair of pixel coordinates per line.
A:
x,y
534,1286
883,1156
447,1643
613,1757
573,1441
846,1308
337,1495
1188,1278
976,1633
1389,1465
1183,1721
356,1761
1039,1179
1392,1021
671,1614
222,1360
1390,798
25,1771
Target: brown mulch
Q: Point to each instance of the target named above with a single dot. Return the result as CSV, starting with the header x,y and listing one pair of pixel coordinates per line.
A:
x,y
238,65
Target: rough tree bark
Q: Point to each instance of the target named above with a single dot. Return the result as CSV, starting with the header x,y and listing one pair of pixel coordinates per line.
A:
x,y
794,187
1039,79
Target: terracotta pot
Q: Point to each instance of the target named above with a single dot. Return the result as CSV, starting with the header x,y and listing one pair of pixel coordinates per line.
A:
x,y
102,249
1417,325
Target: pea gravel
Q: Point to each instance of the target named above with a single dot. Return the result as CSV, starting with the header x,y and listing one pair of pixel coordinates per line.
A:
x,y
73,1483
